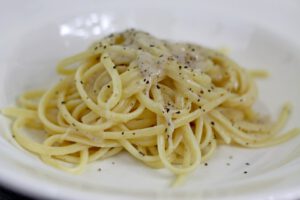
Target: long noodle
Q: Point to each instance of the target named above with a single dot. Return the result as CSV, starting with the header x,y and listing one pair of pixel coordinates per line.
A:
x,y
169,105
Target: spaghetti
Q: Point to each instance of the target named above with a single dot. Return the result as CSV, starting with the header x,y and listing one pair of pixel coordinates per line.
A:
x,y
167,104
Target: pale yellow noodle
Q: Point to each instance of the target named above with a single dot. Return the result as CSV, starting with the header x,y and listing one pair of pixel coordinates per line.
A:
x,y
168,105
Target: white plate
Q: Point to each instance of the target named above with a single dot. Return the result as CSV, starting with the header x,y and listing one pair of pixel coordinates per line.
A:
x,y
35,35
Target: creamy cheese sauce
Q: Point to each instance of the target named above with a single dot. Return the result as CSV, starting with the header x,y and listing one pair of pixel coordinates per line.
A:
x,y
151,54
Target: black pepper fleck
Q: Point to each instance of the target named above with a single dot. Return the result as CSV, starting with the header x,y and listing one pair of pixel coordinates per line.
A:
x,y
142,153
